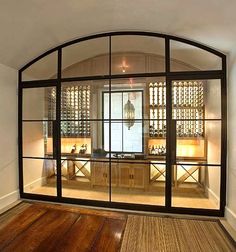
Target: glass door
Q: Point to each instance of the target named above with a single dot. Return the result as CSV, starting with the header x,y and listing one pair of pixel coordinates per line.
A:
x,y
39,140
196,143
84,164
138,140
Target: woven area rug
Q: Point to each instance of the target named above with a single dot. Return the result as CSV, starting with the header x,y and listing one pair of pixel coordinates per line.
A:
x,y
144,233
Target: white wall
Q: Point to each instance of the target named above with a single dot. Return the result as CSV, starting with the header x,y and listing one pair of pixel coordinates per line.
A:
x,y
230,212
8,135
33,138
213,136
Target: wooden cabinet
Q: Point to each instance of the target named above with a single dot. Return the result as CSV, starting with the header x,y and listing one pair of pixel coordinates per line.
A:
x,y
114,173
139,175
126,175
100,173
133,175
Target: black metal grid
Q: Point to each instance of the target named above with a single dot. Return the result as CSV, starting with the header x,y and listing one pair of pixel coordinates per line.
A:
x,y
170,159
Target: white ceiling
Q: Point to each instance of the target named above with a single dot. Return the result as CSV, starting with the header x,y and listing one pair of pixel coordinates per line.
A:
x,y
29,28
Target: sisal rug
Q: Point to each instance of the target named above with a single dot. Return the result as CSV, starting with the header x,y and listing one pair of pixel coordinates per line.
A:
x,y
145,233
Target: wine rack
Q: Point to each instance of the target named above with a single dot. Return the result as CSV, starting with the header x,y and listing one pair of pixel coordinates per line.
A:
x,y
75,110
157,96
51,101
187,105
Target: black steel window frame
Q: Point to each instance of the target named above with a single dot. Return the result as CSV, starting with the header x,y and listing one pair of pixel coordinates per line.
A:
x,y
170,76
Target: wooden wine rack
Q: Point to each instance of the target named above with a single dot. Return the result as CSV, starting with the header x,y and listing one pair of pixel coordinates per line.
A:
x,y
75,110
187,104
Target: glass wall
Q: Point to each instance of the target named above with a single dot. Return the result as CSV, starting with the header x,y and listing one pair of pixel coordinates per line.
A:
x,y
43,69
124,123
38,145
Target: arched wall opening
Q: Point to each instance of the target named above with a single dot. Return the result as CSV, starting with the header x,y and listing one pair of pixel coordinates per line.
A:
x,y
125,119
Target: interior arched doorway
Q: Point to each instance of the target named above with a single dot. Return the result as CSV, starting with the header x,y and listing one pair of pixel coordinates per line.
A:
x,y
131,120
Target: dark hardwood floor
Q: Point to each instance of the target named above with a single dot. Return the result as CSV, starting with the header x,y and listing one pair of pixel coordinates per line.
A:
x,y
46,227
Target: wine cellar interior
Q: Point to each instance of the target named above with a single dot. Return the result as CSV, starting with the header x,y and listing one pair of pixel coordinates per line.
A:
x,y
114,134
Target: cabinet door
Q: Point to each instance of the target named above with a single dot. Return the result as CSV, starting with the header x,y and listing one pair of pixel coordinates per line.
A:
x,y
124,175
139,175
114,174
99,173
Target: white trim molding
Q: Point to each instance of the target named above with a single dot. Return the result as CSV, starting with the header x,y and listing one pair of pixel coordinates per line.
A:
x,y
230,217
212,196
9,198
35,184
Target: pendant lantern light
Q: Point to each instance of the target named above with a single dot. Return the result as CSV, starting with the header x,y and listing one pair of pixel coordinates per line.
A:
x,y
129,114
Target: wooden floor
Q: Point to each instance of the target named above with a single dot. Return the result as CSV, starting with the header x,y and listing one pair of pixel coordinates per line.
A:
x,y
46,227
53,227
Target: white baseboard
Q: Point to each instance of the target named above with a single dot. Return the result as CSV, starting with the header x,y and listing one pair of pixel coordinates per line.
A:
x,y
212,196
8,199
230,217
35,184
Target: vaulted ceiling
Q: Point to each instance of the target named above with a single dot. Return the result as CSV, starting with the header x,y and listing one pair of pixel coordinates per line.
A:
x,y
29,28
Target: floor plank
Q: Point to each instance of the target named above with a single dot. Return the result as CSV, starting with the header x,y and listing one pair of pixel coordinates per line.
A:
x,y
82,234
80,210
19,224
9,215
109,239
43,233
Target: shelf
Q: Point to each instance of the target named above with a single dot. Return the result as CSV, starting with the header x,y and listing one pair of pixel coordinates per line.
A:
x,y
180,138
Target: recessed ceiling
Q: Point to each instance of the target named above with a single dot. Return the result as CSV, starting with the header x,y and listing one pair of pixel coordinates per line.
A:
x,y
29,28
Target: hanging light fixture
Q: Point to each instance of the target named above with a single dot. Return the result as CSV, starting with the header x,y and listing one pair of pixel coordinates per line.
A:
x,y
129,114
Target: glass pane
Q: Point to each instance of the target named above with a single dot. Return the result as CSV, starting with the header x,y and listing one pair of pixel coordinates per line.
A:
x,y
186,57
77,143
196,186
81,145
125,139
136,141
147,96
204,146
43,69
39,103
213,136
87,58
132,137
84,162
132,183
212,99
120,100
156,147
116,105
116,136
137,54
197,99
85,179
83,100
39,176
77,146
37,139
